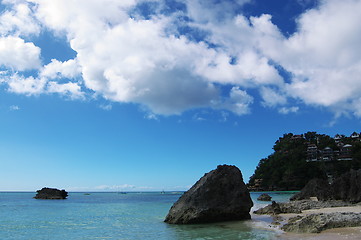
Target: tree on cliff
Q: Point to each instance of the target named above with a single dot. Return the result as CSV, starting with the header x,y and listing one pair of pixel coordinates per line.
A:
x,y
287,168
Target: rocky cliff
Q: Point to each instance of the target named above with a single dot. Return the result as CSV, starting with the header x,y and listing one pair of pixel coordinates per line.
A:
x,y
347,188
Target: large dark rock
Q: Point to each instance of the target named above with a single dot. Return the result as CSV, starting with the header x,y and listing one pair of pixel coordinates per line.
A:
x,y
219,195
264,197
315,188
347,187
51,193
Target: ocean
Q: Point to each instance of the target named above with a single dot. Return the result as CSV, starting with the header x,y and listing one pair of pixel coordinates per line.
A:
x,y
120,216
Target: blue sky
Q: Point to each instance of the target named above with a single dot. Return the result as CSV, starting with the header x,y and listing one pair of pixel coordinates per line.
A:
x,y
141,95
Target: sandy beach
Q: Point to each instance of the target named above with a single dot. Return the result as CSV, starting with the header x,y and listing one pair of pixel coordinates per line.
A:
x,y
330,234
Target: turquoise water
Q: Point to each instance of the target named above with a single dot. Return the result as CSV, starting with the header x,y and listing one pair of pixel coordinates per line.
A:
x,y
113,216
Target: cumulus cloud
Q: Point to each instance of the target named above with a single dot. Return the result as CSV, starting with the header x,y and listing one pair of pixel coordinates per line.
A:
x,y
135,60
17,54
323,55
35,86
57,69
18,20
149,60
25,85
70,89
271,97
238,102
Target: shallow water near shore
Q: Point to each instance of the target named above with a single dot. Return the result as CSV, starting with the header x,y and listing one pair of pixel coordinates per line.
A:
x,y
116,216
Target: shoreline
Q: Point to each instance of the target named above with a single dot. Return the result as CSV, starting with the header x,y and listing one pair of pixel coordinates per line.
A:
x,y
277,221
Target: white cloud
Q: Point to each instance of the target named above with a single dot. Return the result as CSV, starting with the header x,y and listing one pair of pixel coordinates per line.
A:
x,y
127,58
236,60
200,116
76,18
323,55
57,69
106,107
151,116
14,108
123,187
238,102
136,60
19,20
17,54
271,97
287,110
26,85
35,86
110,188
250,69
70,89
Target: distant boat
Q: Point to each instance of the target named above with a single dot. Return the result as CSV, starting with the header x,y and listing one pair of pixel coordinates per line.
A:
x,y
162,192
122,193
86,193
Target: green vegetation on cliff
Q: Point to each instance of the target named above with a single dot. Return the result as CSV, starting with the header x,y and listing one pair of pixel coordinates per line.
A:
x,y
293,164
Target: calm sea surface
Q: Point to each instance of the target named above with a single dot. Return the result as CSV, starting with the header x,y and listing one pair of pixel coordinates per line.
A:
x,y
115,216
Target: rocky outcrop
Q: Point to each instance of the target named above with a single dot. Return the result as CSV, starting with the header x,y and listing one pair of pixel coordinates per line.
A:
x,y
346,188
315,188
51,193
299,206
277,208
264,197
315,223
219,195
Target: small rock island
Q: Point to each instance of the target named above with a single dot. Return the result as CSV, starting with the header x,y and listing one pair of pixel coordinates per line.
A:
x,y
51,193
220,195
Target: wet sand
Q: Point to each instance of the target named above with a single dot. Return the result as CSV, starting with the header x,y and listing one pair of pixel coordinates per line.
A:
x,y
331,234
